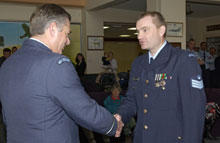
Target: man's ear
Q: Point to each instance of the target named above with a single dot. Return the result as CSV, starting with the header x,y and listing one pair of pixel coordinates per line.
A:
x,y
52,29
162,30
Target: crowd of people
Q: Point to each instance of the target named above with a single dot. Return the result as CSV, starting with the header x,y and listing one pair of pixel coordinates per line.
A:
x,y
208,61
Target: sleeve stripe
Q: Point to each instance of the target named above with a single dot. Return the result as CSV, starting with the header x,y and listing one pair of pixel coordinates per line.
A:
x,y
113,124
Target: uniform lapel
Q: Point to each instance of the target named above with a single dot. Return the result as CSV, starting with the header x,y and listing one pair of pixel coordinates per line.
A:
x,y
161,59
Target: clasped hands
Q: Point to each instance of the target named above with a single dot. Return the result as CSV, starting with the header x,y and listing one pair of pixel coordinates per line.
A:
x,y
120,125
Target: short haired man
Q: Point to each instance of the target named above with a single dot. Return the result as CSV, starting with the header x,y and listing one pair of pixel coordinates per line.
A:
x,y
6,54
42,98
165,89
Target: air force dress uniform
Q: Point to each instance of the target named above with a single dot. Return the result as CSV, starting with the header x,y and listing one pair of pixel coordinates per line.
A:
x,y
167,96
43,100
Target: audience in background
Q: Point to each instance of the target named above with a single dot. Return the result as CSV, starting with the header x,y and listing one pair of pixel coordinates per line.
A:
x,y
6,54
191,45
14,49
112,103
202,54
105,59
108,68
80,65
113,65
210,66
217,72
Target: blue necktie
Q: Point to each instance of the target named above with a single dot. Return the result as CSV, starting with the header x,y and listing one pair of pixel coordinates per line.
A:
x,y
151,60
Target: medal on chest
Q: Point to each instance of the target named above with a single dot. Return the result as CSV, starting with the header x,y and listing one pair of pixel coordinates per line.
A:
x,y
160,80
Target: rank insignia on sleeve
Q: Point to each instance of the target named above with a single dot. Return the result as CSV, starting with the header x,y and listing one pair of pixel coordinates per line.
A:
x,y
62,60
197,83
191,55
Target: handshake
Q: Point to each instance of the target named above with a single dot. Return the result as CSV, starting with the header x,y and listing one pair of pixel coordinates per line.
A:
x,y
120,125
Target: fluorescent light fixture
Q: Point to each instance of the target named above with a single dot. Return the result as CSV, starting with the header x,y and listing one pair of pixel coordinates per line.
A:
x,y
124,35
105,27
136,33
132,28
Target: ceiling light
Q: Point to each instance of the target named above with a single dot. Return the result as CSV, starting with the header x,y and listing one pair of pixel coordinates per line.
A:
x,y
105,27
124,35
132,28
136,33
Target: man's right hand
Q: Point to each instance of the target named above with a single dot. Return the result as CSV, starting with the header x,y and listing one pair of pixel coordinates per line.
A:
x,y
120,125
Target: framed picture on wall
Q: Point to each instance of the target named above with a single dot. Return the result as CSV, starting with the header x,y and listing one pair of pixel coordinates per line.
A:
x,y
95,42
174,29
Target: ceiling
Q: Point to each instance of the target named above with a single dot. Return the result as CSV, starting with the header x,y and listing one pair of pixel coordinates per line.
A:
x,y
194,8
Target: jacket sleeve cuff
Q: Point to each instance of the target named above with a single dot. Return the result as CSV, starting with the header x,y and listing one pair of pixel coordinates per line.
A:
x,y
112,130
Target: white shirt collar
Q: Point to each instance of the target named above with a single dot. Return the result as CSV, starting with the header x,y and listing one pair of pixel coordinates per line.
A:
x,y
154,57
39,41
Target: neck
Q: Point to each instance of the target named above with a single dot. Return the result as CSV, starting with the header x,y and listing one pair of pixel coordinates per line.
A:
x,y
153,51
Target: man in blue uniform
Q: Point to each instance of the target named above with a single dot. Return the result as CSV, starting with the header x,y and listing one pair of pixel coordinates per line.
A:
x,y
165,89
42,98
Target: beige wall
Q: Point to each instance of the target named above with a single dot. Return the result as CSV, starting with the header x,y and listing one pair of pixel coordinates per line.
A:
x,y
119,15
22,12
174,11
124,53
196,28
94,27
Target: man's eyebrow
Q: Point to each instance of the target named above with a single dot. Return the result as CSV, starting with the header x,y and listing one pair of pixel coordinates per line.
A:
x,y
144,27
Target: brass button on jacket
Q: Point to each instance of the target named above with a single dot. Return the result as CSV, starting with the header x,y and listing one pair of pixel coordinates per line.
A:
x,y
145,95
179,138
147,81
145,127
145,111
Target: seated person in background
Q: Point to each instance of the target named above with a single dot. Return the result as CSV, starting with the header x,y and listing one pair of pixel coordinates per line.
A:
x,y
112,103
6,54
105,60
111,68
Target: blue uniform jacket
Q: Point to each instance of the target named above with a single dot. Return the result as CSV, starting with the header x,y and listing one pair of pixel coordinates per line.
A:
x,y
43,100
168,98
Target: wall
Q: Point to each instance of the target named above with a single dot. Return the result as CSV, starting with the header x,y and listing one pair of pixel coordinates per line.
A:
x,y
174,11
22,12
196,28
94,27
124,52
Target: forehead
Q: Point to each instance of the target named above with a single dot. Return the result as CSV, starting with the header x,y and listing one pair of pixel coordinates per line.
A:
x,y
144,22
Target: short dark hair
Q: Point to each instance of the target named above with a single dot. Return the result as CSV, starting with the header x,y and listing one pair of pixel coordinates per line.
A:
x,y
6,50
202,43
191,39
157,19
46,14
116,86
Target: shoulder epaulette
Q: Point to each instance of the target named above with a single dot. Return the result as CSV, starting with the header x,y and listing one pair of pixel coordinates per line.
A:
x,y
62,60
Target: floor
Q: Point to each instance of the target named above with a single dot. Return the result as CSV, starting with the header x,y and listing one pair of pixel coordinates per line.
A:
x,y
213,141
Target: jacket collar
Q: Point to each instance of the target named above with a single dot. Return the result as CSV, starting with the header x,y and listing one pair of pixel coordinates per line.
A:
x,y
161,58
34,44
